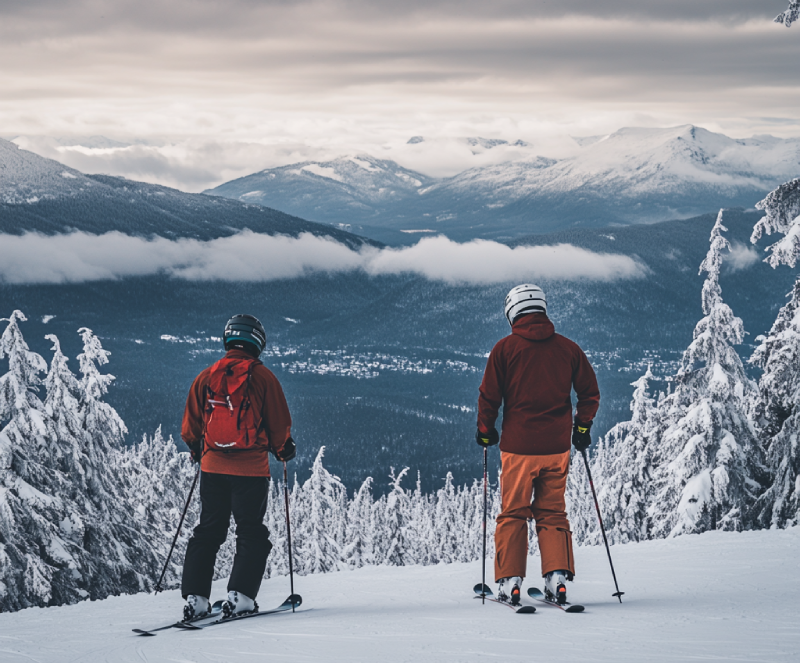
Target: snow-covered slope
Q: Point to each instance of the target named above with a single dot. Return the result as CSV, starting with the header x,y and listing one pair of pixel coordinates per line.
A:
x,y
28,178
643,162
339,191
38,194
717,596
631,176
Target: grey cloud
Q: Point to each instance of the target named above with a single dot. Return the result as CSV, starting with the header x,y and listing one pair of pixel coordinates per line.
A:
x,y
317,47
89,16
80,257
189,165
250,69
441,259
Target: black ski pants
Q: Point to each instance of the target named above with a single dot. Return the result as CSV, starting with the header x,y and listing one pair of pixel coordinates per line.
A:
x,y
220,496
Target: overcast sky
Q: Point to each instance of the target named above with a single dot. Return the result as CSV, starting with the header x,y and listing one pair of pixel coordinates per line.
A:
x,y
268,81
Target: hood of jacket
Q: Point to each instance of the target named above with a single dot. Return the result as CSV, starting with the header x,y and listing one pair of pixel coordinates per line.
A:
x,y
534,327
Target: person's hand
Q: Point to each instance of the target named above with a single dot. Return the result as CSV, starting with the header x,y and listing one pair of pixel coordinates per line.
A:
x,y
487,439
196,451
288,452
581,439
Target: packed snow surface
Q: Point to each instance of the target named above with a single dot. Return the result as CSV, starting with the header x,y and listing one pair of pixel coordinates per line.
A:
x,y
714,596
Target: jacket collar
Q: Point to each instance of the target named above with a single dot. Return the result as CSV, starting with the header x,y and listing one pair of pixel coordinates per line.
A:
x,y
534,327
236,353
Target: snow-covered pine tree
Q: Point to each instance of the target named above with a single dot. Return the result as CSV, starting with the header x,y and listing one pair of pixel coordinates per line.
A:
x,y
580,504
34,560
320,532
473,539
791,14
64,421
380,542
622,469
100,420
158,478
123,555
358,550
776,407
419,531
467,538
278,560
445,523
396,519
706,455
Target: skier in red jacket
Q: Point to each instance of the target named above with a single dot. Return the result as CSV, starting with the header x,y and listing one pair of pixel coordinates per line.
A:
x,y
235,414
532,373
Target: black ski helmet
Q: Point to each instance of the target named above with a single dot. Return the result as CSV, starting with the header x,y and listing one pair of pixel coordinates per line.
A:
x,y
244,328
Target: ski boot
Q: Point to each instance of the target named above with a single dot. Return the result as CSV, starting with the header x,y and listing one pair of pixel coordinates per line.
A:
x,y
237,604
509,589
196,608
555,587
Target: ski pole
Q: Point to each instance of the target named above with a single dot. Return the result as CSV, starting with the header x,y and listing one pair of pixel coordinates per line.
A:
x,y
180,524
618,593
288,530
483,578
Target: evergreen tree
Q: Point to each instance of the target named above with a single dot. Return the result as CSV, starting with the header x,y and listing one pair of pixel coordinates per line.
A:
x,y
776,407
65,429
420,530
446,523
278,560
622,468
105,427
158,478
34,561
791,15
359,551
705,451
397,512
320,534
580,504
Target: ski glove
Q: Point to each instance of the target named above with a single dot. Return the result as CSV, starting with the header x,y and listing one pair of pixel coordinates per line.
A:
x,y
196,451
580,435
487,439
288,452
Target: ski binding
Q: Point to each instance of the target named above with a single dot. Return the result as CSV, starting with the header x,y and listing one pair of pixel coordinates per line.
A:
x,y
537,594
483,591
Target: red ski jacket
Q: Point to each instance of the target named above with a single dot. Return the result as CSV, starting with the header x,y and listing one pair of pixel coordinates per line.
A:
x,y
267,399
532,372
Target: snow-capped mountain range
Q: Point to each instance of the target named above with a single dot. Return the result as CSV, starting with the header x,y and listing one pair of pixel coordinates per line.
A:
x,y
631,176
38,194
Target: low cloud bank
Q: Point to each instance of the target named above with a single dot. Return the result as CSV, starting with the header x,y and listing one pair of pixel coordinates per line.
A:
x,y
79,257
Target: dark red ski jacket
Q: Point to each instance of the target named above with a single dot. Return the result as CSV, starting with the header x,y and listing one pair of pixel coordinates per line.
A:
x,y
267,399
532,372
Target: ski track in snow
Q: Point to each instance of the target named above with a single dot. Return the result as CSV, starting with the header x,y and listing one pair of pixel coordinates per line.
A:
x,y
715,596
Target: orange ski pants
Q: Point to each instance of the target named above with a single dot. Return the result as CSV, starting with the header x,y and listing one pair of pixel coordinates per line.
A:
x,y
544,478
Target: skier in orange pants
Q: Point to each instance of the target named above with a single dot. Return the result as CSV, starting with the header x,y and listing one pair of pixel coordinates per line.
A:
x,y
532,373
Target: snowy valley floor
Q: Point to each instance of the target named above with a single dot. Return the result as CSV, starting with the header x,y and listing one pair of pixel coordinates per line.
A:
x,y
713,597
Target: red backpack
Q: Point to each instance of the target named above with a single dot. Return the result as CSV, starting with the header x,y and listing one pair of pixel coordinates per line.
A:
x,y
230,422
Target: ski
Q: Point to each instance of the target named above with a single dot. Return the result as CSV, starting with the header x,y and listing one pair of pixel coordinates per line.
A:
x,y
482,591
567,607
216,609
293,601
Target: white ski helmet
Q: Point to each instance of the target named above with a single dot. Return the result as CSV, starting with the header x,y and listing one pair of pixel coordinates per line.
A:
x,y
525,298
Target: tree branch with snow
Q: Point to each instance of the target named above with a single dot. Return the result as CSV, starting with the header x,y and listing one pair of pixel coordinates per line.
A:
x,y
791,14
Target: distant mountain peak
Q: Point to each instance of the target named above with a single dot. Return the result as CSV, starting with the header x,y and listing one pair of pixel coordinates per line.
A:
x,y
43,195
634,175
488,143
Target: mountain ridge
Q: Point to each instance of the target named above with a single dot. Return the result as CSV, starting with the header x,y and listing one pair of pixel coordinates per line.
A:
x,y
42,195
634,175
